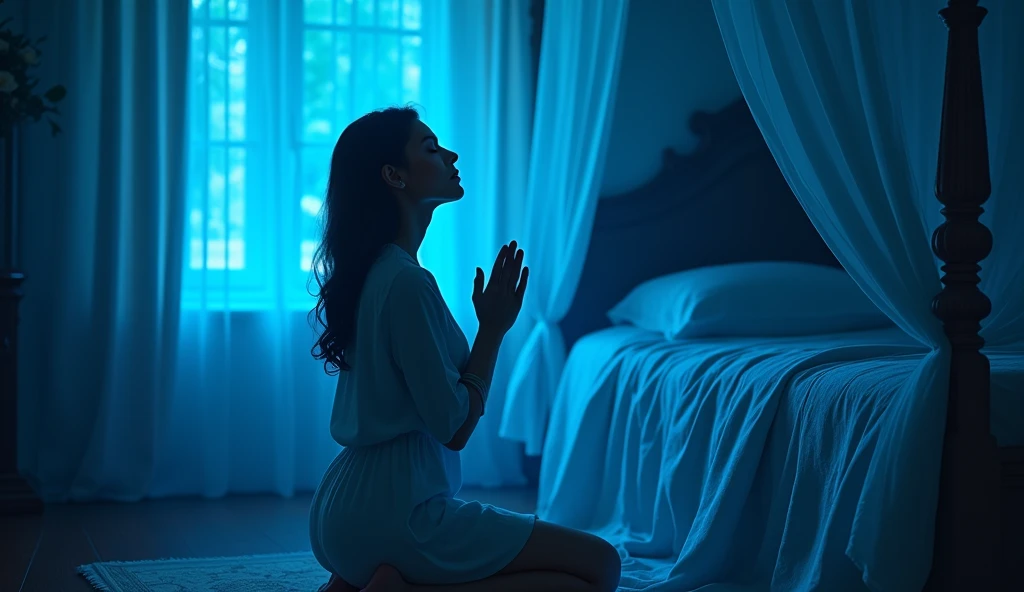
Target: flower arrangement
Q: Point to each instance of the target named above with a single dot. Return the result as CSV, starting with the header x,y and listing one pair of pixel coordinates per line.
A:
x,y
19,99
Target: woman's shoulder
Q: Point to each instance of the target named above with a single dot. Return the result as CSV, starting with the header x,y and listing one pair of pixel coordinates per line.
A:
x,y
400,277
408,282
412,282
391,264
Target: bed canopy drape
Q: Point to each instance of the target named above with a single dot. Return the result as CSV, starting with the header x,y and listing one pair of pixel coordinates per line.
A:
x,y
578,72
849,96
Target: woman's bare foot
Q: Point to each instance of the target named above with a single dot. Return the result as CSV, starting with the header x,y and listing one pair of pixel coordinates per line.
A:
x,y
336,584
386,579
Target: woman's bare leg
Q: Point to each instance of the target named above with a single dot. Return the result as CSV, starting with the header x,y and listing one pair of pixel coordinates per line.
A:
x,y
336,584
387,579
554,558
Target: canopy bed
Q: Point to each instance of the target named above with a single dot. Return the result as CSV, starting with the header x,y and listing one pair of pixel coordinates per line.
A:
x,y
631,400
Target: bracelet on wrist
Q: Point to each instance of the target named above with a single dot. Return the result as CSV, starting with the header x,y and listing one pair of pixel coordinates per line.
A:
x,y
478,384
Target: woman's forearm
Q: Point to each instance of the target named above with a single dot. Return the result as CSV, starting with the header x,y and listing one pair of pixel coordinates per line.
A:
x,y
484,354
482,359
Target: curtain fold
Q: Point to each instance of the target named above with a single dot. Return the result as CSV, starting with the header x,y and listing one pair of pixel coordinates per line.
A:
x,y
848,96
581,51
102,221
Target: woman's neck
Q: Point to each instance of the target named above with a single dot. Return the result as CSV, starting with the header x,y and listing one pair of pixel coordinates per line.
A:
x,y
414,229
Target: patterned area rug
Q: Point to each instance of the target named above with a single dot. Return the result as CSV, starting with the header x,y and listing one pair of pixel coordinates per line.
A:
x,y
287,572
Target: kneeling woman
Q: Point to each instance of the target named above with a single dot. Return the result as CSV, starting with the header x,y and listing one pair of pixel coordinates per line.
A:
x,y
411,391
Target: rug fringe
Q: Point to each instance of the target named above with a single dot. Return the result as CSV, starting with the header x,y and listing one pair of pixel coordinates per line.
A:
x,y
294,554
94,578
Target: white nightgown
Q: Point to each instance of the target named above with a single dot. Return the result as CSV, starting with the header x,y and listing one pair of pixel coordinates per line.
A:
x,y
389,496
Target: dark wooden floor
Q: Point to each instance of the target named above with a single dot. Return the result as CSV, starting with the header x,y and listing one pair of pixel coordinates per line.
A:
x,y
40,553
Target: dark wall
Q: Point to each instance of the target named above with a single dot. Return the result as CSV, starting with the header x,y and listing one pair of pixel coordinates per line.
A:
x,y
673,63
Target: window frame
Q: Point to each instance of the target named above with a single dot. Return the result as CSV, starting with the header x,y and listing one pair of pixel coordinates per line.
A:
x,y
205,286
281,220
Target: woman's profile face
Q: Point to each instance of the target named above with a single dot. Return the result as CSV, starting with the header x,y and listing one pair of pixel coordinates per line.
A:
x,y
431,175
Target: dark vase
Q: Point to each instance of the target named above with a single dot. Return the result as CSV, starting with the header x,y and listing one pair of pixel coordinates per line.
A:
x,y
16,495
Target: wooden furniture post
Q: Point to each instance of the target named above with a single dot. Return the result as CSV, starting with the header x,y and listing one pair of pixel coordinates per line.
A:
x,y
16,496
967,528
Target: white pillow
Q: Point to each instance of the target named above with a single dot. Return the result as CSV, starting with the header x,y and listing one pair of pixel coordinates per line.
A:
x,y
752,299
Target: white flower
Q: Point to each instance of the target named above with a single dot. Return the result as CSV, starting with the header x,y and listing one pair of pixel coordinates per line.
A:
x,y
4,46
30,56
7,82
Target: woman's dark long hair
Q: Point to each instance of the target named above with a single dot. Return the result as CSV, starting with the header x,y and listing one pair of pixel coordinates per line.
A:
x,y
360,217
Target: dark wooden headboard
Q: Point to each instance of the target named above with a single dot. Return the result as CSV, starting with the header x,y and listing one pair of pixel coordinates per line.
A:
x,y
724,202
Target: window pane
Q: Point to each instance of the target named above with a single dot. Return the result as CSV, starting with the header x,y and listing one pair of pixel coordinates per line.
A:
x,y
389,77
217,9
343,88
236,253
343,12
215,256
306,251
387,13
238,9
197,212
412,14
217,71
364,76
195,250
411,68
316,162
365,13
198,97
318,85
199,91
316,165
236,208
317,11
236,82
216,231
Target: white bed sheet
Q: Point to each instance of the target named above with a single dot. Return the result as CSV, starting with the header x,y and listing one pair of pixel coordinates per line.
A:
x,y
731,464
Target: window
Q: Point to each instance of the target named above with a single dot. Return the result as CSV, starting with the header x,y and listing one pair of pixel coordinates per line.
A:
x,y
273,84
216,207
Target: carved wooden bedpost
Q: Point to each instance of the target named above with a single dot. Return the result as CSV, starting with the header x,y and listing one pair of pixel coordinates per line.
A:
x,y
967,530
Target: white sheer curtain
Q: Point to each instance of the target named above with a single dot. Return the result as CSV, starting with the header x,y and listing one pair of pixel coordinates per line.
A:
x,y
581,50
101,226
848,96
273,84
